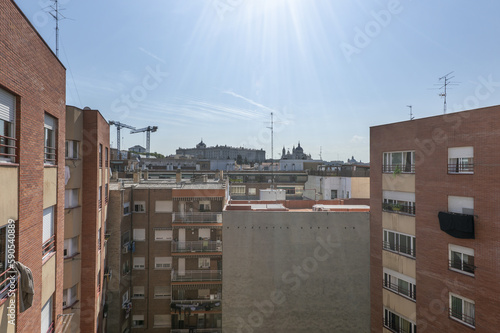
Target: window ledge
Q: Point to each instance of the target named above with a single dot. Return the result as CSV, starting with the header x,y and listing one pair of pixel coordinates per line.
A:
x,y
402,295
462,322
73,158
46,165
8,164
461,271
47,257
460,173
71,305
68,208
400,253
72,256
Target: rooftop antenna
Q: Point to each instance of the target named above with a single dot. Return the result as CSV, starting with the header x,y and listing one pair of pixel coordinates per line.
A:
x,y
272,152
444,87
411,112
56,14
321,158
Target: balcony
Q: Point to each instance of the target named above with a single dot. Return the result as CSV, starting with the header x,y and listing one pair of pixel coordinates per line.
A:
x,y
197,246
400,290
8,284
8,148
399,248
398,208
197,276
197,217
398,168
49,246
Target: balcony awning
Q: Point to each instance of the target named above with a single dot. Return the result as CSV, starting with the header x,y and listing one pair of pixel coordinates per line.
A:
x,y
457,225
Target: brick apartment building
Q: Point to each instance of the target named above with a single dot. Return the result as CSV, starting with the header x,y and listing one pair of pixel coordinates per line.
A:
x,y
86,199
165,252
32,132
434,183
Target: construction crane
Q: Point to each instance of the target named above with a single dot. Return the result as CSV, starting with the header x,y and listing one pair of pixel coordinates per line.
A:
x,y
118,127
148,131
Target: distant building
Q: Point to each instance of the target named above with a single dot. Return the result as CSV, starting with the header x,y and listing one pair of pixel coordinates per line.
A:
x,y
296,154
223,152
137,149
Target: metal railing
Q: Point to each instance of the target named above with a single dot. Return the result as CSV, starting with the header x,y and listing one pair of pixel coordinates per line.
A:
x,y
463,317
49,246
8,277
197,246
197,217
399,248
398,168
397,327
398,208
461,168
50,155
411,293
8,147
462,266
197,276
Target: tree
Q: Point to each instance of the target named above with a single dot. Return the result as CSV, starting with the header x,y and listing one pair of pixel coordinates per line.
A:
x,y
239,160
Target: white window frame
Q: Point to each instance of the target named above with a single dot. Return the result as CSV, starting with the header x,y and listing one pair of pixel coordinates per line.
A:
x,y
138,292
139,263
389,165
139,234
8,115
70,296
48,224
204,263
163,262
125,298
50,129
461,160
461,251
46,315
392,281
139,206
163,234
162,292
70,247
71,198
252,191
126,208
387,312
238,189
387,234
72,149
463,319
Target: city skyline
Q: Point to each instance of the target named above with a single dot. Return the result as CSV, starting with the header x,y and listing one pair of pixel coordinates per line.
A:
x,y
217,69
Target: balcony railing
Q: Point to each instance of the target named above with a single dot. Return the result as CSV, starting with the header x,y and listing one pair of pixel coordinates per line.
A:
x,y
198,330
6,279
197,217
50,155
399,248
197,276
467,168
462,266
398,168
398,208
470,320
410,293
197,246
8,148
49,246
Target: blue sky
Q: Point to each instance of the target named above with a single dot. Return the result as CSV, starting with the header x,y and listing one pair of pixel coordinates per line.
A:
x,y
327,69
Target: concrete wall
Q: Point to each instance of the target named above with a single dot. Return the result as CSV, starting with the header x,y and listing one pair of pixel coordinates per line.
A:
x,y
296,272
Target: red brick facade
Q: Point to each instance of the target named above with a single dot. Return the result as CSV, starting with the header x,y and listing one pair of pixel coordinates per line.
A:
x,y
430,138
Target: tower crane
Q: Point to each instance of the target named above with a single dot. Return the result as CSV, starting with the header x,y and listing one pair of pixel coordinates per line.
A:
x,y
148,131
118,127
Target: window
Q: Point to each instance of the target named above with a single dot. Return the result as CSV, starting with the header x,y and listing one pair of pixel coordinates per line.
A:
x,y
138,321
399,202
203,293
204,233
7,126
252,191
50,128
99,197
162,320
139,206
461,259
400,161
163,262
162,234
462,309
163,206
100,155
71,149
126,208
162,292
3,250
204,206
69,296
399,283
139,263
48,231
333,194
238,189
400,243
70,247
106,157
138,292
99,239
461,205
397,323
125,268
99,281
204,263
461,160
139,234
125,298
106,193
71,198
46,315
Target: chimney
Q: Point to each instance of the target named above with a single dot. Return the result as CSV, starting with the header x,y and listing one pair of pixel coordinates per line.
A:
x,y
137,177
178,176
221,175
146,174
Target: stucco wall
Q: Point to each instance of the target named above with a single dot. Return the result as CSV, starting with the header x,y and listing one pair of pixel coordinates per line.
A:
x,y
295,272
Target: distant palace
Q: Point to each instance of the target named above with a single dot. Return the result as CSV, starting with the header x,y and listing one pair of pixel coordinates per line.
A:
x,y
223,153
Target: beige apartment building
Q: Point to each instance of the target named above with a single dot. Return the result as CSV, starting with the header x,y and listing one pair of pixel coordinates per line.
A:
x,y
165,252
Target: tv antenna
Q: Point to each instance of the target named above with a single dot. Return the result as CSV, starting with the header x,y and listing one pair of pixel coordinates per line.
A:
x,y
55,12
444,87
411,111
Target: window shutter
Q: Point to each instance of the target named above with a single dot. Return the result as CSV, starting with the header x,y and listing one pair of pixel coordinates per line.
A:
x,y
50,122
48,223
7,106
47,315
